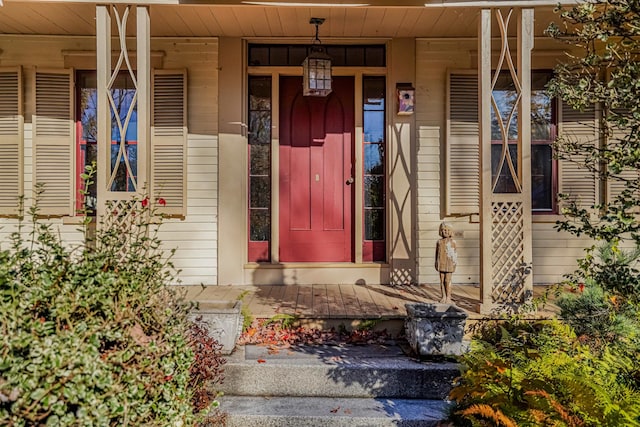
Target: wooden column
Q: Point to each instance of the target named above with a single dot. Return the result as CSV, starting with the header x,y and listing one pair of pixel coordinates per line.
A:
x,y
505,218
103,74
107,71
143,76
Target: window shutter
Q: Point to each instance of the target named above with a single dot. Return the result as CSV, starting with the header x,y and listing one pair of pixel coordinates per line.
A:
x,y
575,180
616,186
53,134
462,167
11,124
169,141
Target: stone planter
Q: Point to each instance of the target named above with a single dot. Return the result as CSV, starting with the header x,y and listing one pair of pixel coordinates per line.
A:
x,y
435,329
223,320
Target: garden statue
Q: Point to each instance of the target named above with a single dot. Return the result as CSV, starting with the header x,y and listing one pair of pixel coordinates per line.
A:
x,y
446,260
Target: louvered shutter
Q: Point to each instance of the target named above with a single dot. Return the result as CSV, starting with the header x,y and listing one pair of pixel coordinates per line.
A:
x,y
11,125
575,180
462,150
169,141
616,186
53,134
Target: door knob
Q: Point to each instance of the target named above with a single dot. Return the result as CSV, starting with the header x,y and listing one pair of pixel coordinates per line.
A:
x,y
349,181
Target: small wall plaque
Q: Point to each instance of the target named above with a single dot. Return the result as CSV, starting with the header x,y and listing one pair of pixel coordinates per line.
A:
x,y
406,98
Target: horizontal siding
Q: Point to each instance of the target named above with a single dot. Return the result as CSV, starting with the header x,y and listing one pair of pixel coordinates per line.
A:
x,y
434,58
196,250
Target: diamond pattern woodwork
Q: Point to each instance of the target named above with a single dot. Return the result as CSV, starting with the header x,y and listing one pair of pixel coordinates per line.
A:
x,y
507,251
506,217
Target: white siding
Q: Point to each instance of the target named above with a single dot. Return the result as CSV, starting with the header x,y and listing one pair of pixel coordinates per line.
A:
x,y
554,253
195,236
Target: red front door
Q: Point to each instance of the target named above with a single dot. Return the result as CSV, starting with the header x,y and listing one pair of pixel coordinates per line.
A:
x,y
316,191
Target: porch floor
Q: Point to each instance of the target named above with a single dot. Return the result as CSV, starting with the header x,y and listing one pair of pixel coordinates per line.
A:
x,y
344,301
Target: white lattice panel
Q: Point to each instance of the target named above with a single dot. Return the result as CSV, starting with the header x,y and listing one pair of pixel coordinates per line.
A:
x,y
507,237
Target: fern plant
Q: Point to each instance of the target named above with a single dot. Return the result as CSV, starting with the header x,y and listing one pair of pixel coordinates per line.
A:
x,y
539,374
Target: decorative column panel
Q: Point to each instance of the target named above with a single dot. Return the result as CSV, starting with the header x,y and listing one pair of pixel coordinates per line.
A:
x,y
123,112
143,42
505,215
103,74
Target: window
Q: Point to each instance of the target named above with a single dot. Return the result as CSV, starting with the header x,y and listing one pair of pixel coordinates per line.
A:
x,y
259,168
167,144
124,131
543,133
549,176
282,55
374,158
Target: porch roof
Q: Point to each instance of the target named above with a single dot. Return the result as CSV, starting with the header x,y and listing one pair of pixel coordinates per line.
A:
x,y
372,19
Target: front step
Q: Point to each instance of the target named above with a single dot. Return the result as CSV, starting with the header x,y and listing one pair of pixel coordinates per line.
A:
x,y
336,371
342,385
249,411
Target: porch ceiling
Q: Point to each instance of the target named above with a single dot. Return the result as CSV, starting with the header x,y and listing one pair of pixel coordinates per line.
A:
x,y
200,20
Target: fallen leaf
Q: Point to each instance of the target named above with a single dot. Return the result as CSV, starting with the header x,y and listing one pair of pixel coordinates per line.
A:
x,y
262,361
347,411
334,410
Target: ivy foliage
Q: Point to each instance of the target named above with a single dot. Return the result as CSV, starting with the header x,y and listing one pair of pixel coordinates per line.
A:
x,y
92,335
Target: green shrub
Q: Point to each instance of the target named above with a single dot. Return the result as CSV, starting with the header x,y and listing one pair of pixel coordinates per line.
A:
x,y
539,374
92,335
600,318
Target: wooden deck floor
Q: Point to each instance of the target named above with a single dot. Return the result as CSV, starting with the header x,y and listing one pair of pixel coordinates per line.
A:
x,y
342,301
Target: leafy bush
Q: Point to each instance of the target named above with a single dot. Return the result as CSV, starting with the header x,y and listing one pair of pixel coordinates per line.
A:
x,y
91,335
601,319
539,374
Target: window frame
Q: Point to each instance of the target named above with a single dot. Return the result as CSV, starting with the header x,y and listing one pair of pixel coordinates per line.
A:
x,y
553,133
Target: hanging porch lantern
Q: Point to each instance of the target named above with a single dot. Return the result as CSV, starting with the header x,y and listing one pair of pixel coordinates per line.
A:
x,y
316,68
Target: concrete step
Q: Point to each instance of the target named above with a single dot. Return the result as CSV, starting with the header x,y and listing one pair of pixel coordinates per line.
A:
x,y
250,411
340,371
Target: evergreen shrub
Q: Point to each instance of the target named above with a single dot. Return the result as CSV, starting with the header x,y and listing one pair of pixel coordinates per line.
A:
x,y
92,335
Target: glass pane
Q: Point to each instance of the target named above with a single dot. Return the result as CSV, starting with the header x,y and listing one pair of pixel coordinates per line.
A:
x,y
260,93
374,191
260,225
123,180
505,100
374,224
355,56
541,177
123,99
375,56
505,184
373,159
541,113
258,55
88,115
297,54
260,194
374,126
374,93
91,156
278,55
260,159
541,108
260,127
338,55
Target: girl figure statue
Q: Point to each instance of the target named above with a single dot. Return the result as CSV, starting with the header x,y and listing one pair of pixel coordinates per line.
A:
x,y
446,260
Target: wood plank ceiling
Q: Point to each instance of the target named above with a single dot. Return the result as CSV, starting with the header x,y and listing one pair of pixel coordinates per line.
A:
x,y
62,18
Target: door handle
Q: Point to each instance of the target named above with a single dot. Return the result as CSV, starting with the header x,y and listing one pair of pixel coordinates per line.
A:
x,y
349,181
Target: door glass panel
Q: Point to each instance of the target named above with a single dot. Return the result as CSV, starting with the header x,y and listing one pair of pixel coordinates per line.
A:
x,y
374,167
259,139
